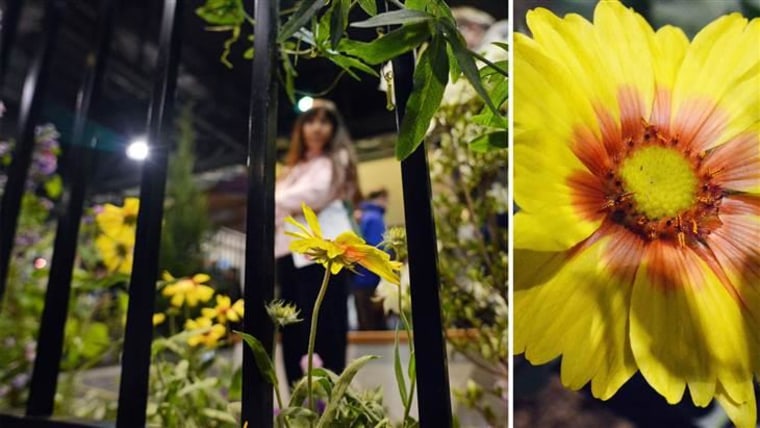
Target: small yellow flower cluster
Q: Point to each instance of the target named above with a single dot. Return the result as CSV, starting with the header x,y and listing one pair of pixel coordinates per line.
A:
x,y
116,239
189,292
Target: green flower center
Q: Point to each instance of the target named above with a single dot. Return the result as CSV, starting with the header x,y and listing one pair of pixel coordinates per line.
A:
x,y
660,180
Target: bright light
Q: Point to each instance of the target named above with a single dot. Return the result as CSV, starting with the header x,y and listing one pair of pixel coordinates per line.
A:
x,y
305,103
138,150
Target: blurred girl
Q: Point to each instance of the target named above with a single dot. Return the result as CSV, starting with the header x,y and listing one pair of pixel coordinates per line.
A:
x,y
320,171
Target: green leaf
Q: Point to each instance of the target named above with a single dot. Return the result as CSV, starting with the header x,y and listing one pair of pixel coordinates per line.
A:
x,y
338,21
236,385
369,6
466,62
54,186
219,415
248,54
488,71
416,4
260,355
454,72
491,141
395,17
389,46
349,64
489,119
95,339
207,383
400,381
430,78
344,380
290,77
412,369
299,414
305,11
502,45
222,12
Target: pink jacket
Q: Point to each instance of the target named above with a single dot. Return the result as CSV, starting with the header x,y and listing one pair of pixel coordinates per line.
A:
x,y
309,182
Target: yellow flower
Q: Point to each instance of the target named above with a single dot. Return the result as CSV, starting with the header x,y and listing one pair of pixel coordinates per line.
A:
x,y
116,251
224,310
113,220
637,174
158,318
190,290
208,332
345,250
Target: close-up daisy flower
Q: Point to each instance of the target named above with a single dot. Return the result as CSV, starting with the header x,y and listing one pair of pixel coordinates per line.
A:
x,y
637,177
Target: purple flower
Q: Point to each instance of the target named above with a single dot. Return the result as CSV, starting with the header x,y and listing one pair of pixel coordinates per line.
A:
x,y
20,380
317,362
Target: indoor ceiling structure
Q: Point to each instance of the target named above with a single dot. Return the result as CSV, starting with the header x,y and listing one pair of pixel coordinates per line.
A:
x,y
219,95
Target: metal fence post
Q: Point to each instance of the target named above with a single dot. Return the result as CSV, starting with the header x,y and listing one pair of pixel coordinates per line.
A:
x,y
9,23
31,102
133,389
79,155
433,396
257,406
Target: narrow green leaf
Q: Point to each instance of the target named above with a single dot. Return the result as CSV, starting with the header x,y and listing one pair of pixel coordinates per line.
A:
x,y
466,62
305,11
502,45
248,54
260,355
368,6
219,415
395,17
338,21
349,64
487,71
344,380
430,78
400,381
454,72
491,141
389,46
412,369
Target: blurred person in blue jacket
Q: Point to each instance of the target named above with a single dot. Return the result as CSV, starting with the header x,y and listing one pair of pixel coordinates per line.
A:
x,y
372,226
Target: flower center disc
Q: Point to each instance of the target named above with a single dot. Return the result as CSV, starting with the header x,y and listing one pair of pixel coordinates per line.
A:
x,y
661,181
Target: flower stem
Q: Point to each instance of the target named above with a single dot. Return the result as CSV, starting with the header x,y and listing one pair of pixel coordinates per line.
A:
x,y
278,396
313,333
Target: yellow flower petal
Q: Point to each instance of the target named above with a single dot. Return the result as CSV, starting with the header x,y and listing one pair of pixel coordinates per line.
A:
x,y
311,220
201,278
686,329
166,276
306,232
577,322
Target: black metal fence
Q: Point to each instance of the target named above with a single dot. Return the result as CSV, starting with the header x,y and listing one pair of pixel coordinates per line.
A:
x,y
257,403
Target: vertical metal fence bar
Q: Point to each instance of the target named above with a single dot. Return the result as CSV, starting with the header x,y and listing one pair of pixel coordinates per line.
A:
x,y
257,403
133,389
79,157
31,101
9,23
433,399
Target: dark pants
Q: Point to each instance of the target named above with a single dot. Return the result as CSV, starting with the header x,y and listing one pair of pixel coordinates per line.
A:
x,y
301,286
369,313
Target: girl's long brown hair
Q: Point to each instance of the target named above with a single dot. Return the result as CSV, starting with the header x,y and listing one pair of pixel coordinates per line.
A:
x,y
339,149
